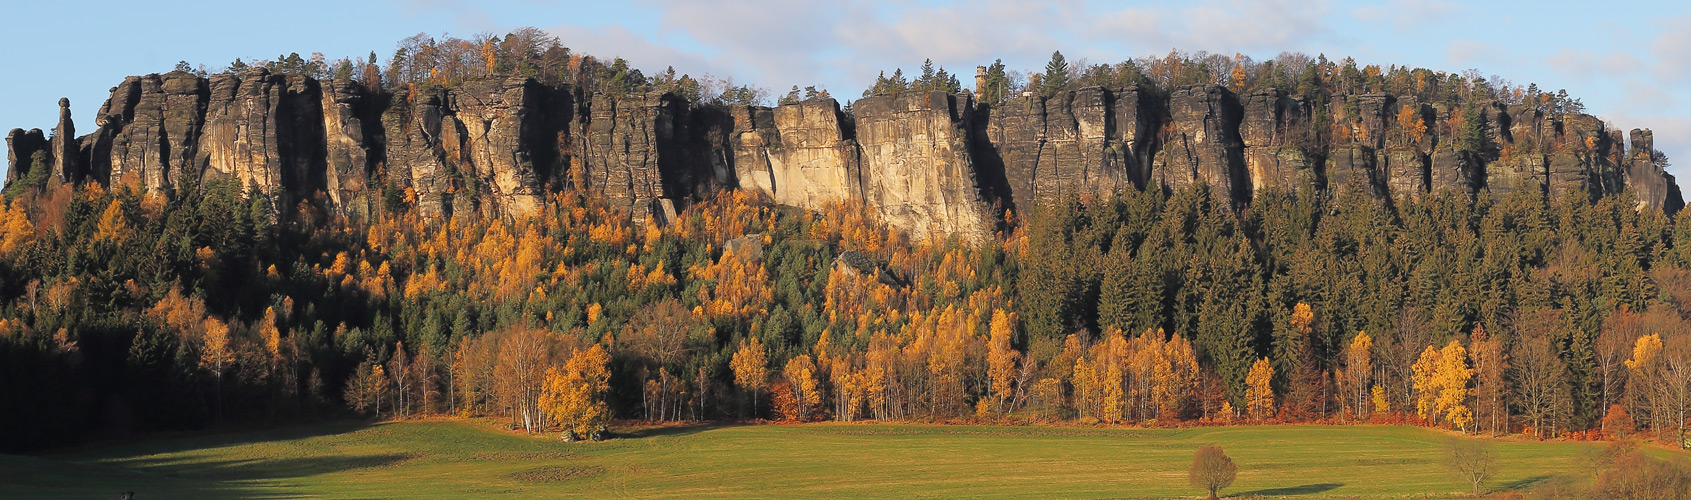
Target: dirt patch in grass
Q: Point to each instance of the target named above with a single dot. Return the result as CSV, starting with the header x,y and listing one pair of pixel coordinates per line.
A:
x,y
558,474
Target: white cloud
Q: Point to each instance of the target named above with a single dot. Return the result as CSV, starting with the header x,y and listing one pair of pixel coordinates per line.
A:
x,y
1471,53
1220,26
1404,14
615,41
1671,49
1584,64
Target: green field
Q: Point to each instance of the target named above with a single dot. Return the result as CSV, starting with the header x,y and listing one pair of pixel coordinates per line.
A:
x,y
472,460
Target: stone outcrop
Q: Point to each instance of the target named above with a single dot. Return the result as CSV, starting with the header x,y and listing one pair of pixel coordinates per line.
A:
x,y
1654,188
1088,142
347,164
917,171
796,154
928,163
1203,145
21,146
1272,153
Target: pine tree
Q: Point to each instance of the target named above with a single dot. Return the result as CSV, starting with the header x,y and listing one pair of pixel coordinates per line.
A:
x,y
1056,75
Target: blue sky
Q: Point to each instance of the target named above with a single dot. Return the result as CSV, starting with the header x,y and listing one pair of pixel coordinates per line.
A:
x,y
1630,62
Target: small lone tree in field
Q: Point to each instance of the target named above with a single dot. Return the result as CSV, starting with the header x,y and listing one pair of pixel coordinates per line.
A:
x,y
1212,470
1473,461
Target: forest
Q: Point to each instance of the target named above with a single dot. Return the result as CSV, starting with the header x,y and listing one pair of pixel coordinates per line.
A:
x,y
1551,315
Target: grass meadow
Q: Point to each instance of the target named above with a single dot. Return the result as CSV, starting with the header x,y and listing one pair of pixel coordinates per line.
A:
x,y
467,459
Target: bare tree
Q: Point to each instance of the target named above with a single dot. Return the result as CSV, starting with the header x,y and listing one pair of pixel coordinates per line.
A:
x,y
399,367
658,333
1676,378
1489,364
520,372
1614,344
1472,460
1399,353
1540,377
1211,470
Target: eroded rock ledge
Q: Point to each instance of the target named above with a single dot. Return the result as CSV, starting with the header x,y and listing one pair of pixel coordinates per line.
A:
x,y
930,163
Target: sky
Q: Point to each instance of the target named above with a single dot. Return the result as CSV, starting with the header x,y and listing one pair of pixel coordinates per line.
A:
x,y
1630,63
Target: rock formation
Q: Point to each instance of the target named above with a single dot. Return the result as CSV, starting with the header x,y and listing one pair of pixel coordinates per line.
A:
x,y
916,169
21,146
928,163
797,154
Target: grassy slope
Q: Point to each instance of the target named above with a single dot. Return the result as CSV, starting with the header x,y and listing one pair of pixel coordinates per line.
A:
x,y
458,459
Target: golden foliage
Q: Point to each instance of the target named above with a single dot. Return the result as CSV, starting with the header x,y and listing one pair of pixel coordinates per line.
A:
x,y
1441,378
1259,394
113,226
1002,360
574,396
803,395
15,229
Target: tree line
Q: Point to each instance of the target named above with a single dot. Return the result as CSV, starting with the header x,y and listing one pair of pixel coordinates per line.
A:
x,y
1547,317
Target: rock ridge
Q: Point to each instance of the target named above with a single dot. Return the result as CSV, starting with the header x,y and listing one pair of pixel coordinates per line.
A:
x,y
929,163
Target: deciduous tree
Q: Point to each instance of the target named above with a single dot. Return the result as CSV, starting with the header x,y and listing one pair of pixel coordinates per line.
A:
x,y
750,364
1259,393
574,395
1212,470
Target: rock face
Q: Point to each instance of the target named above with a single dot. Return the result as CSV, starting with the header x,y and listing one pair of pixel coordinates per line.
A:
x,y
927,163
1654,188
346,147
20,147
917,171
1272,153
797,154
1088,142
1204,144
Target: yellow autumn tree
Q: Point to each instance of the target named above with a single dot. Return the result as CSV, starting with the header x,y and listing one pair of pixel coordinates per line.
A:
x,y
1410,124
1647,377
1303,318
1359,366
1177,377
1259,394
751,368
1423,375
1441,378
574,397
270,334
800,377
1001,359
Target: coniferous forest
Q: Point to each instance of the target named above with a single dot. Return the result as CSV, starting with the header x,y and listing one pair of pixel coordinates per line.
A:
x,y
203,305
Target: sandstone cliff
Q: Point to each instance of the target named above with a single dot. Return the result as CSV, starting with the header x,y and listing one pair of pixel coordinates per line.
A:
x,y
928,163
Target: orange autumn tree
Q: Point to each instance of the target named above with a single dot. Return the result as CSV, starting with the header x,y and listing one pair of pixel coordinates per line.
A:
x,y
574,396
1410,125
800,397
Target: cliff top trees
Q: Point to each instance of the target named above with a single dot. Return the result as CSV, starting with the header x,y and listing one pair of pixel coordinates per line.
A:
x,y
1056,77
